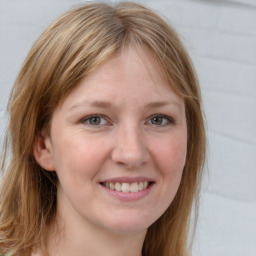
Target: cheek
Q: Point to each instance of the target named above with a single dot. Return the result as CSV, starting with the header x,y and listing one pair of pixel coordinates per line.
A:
x,y
171,155
78,156
170,159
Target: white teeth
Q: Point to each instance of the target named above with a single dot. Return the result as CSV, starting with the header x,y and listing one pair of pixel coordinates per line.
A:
x,y
134,187
118,186
111,185
141,186
127,187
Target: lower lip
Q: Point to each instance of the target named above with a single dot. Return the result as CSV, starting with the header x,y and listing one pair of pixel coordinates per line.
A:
x,y
124,196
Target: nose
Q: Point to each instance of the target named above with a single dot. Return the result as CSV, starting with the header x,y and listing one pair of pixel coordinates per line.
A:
x,y
130,149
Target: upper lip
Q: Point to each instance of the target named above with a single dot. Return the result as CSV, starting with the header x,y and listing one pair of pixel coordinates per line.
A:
x,y
127,179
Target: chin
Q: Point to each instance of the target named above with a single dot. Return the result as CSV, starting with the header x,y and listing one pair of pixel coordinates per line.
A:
x,y
130,225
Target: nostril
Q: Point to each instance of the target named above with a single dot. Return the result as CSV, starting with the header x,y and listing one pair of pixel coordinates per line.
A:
x,y
129,159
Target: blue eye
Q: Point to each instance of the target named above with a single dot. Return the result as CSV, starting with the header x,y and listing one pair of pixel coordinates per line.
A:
x,y
161,120
94,120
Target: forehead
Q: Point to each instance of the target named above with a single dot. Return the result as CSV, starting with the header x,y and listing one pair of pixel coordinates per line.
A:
x,y
132,72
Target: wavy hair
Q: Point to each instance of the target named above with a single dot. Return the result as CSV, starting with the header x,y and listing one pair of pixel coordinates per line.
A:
x,y
67,51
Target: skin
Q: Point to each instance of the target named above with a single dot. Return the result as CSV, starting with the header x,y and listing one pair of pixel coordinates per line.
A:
x,y
127,138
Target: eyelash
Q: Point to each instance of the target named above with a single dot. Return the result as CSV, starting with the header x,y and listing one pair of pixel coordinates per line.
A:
x,y
170,120
88,118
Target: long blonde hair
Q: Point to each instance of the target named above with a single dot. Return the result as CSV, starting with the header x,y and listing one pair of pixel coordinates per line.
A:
x,y
69,49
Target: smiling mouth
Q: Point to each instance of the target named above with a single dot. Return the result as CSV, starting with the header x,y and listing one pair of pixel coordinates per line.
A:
x,y
127,187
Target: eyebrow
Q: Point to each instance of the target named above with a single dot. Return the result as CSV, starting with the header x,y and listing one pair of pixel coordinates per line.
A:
x,y
157,104
108,104
99,104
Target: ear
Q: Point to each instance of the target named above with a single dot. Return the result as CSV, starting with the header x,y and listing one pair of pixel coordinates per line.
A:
x,y
43,152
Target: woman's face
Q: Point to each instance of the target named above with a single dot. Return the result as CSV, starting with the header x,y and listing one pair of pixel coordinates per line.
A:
x,y
118,145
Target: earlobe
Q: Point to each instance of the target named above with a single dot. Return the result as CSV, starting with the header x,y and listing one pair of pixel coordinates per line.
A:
x,y
43,152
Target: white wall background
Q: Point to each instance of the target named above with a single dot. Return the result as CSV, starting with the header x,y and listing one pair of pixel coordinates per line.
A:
x,y
221,37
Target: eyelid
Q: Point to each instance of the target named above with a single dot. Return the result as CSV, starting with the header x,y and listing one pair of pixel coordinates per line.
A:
x,y
86,118
170,119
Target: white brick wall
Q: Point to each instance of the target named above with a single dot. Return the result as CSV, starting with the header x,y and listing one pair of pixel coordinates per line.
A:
x,y
221,37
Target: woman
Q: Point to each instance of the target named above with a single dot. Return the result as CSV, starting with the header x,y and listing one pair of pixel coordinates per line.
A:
x,y
107,139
